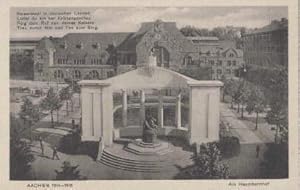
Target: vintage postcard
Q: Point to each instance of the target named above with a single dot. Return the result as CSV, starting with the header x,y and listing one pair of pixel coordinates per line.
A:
x,y
136,95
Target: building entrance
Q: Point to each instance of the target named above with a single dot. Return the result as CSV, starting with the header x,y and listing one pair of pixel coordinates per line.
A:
x,y
162,56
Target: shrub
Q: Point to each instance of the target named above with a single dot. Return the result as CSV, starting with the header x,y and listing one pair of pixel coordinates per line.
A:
x,y
68,172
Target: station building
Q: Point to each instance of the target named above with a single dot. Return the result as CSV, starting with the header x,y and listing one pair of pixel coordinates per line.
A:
x,y
80,56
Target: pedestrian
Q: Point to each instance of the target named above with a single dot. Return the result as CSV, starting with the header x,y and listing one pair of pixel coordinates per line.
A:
x,y
42,145
257,151
55,155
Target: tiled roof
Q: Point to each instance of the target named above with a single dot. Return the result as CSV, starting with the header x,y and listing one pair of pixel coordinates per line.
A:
x,y
45,43
89,43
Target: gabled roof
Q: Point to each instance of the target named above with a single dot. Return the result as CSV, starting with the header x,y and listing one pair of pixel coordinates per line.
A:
x,y
238,52
87,43
45,43
168,28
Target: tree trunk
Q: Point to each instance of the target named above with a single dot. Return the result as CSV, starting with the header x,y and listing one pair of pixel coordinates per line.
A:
x,y
231,104
238,110
57,116
223,96
30,131
242,114
277,134
51,112
67,107
256,121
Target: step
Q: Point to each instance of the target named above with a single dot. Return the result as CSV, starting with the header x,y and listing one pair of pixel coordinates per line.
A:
x,y
130,164
135,169
131,160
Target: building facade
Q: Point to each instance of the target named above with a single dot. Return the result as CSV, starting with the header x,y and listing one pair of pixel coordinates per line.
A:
x,y
80,56
267,46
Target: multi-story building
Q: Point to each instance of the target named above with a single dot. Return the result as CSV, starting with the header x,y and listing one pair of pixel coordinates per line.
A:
x,y
267,46
100,55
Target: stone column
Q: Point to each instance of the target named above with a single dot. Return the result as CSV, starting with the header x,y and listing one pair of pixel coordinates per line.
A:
x,y
160,110
178,111
124,108
142,107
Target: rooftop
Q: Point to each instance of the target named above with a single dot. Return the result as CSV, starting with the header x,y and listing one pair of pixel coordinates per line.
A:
x,y
273,26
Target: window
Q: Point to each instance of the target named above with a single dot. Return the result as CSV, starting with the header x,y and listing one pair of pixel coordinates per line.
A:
x,y
58,74
219,63
110,74
79,61
188,60
79,46
234,62
231,55
228,71
229,63
96,46
76,74
212,62
219,71
94,74
39,67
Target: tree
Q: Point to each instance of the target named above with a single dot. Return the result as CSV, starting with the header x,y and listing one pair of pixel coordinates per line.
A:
x,y
231,89
29,113
228,86
278,116
68,172
21,156
51,103
65,94
278,101
241,95
256,103
207,165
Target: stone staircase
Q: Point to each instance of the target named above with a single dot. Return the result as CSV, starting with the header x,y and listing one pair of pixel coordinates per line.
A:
x,y
115,161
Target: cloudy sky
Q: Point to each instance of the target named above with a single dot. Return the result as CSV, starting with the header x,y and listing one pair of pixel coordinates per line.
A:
x,y
129,19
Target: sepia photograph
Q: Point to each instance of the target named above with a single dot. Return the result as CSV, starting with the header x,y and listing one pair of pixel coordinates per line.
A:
x,y
149,93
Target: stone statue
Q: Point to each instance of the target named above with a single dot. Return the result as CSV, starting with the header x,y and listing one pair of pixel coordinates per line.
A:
x,y
149,130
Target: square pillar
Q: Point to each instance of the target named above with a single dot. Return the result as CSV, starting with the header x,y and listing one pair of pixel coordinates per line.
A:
x,y
160,110
178,111
204,112
124,108
97,112
91,114
142,107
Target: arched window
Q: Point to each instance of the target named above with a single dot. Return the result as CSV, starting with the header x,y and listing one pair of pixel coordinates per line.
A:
x,y
188,60
94,74
58,74
77,74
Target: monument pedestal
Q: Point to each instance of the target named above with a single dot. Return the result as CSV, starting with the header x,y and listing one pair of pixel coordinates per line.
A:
x,y
143,148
